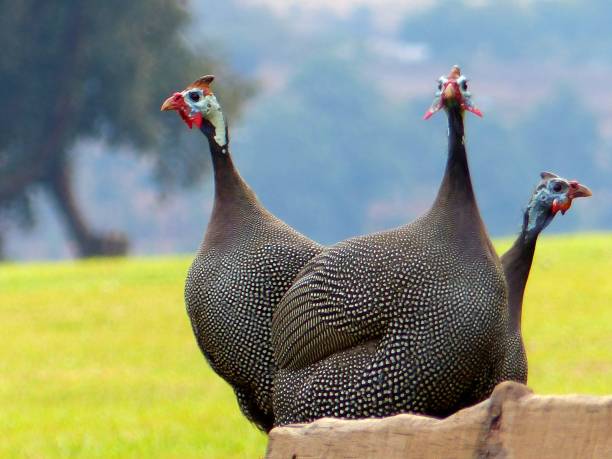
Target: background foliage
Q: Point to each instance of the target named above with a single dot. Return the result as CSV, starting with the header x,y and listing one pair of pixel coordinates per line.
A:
x,y
76,70
332,139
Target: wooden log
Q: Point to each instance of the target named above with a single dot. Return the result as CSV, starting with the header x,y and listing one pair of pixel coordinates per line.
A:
x,y
513,423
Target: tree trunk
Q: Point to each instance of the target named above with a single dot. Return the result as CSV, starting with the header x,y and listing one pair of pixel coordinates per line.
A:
x,y
89,243
2,252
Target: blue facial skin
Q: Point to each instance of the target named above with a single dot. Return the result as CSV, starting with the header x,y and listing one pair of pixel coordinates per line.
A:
x,y
539,210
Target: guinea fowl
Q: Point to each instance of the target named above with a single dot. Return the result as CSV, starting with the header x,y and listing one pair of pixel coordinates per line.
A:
x,y
244,265
427,301
552,194
328,387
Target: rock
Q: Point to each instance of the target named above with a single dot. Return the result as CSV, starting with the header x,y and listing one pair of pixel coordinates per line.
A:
x,y
513,423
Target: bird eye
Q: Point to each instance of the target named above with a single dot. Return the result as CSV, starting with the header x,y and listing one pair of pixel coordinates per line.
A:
x,y
194,96
464,85
440,86
557,187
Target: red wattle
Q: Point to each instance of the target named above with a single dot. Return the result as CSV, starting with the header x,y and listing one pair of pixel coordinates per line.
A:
x,y
566,206
197,119
555,207
475,111
186,118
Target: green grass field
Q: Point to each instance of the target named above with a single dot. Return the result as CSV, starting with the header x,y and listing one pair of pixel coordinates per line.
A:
x,y
98,359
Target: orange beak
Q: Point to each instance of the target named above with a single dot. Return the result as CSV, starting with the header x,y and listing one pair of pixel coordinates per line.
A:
x,y
449,92
576,191
579,191
174,102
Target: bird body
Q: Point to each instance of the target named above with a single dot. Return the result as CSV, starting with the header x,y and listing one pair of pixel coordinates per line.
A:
x,y
244,265
417,314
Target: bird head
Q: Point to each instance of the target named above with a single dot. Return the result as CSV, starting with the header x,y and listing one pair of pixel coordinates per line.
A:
x,y
553,194
452,92
197,105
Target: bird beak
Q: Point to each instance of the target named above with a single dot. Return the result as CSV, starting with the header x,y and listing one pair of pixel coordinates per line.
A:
x,y
173,102
449,92
562,206
578,190
452,93
176,102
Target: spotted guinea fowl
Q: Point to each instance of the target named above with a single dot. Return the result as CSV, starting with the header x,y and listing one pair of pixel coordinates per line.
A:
x,y
330,386
244,265
428,300
551,195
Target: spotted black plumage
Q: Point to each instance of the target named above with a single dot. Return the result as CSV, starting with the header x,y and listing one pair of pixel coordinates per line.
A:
x,y
244,265
429,298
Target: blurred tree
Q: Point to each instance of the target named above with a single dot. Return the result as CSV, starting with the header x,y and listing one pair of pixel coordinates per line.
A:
x,y
85,69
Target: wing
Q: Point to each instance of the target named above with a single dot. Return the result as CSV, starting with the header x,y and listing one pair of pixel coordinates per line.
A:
x,y
343,297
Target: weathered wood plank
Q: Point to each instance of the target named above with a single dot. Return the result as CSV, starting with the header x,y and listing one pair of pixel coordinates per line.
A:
x,y
513,423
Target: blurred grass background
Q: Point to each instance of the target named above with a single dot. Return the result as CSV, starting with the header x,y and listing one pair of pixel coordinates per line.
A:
x,y
98,358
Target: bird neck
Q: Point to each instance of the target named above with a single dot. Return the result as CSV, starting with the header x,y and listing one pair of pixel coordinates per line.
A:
x,y
516,263
231,190
456,197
